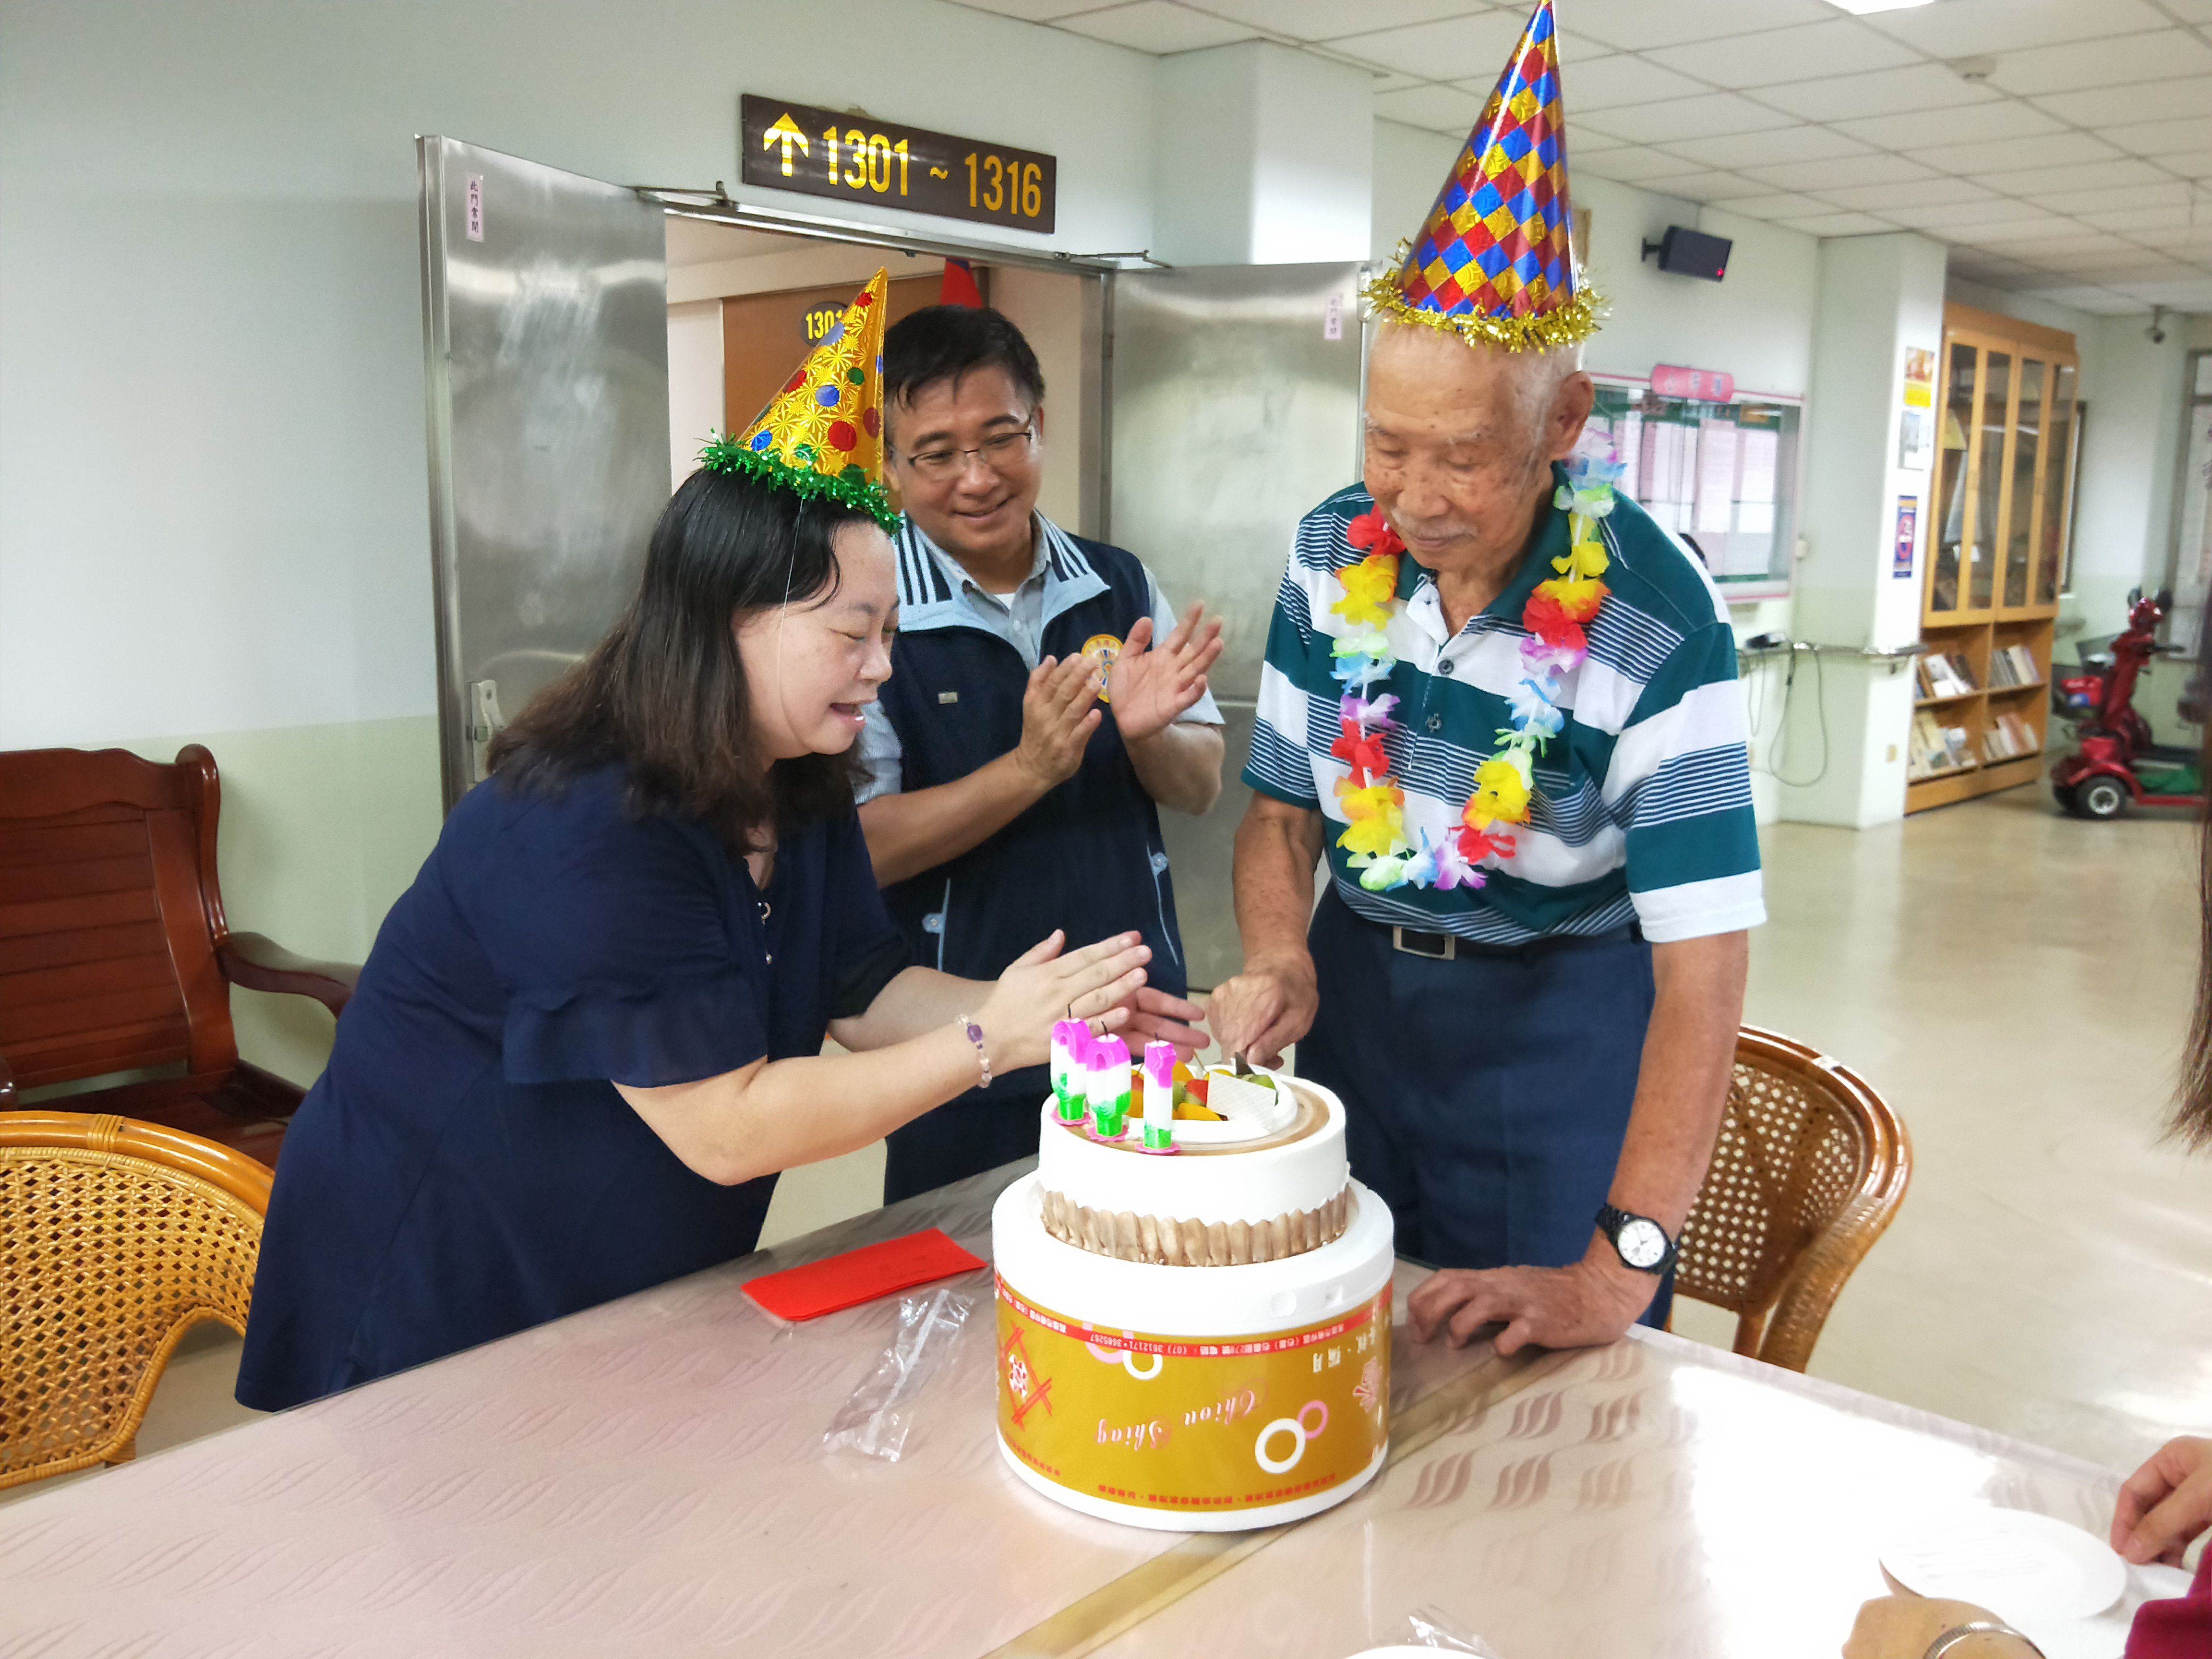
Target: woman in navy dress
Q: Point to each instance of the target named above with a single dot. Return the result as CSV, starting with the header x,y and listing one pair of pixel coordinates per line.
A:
x,y
591,1032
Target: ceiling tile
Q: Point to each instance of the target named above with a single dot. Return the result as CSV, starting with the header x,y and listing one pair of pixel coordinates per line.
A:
x,y
1701,117
1326,20
1608,82
1156,26
1968,124
2088,176
2109,61
1704,187
1440,109
1853,170
2025,225
1392,80
2164,137
1886,199
2080,295
1785,205
1938,220
2128,222
1959,29
2154,100
2051,149
1840,47
2181,293
2195,164
2191,11
1768,148
1589,142
1839,224
1631,164
2194,241
2167,193
1884,92
1639,24
1474,46
1032,11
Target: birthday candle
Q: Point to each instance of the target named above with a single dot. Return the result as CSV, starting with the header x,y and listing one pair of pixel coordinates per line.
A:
x,y
1108,1088
1159,1094
1069,1038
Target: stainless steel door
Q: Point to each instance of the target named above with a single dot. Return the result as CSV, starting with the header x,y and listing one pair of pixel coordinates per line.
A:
x,y
1234,408
545,345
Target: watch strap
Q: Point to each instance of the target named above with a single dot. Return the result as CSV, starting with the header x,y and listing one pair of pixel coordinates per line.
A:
x,y
1611,1220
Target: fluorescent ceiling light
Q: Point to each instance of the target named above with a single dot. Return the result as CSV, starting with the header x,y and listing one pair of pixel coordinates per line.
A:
x,y
1860,8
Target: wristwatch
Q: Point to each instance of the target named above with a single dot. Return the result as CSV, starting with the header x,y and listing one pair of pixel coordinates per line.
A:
x,y
1641,1242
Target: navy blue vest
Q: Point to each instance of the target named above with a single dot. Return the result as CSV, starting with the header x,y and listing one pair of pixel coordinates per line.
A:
x,y
1087,857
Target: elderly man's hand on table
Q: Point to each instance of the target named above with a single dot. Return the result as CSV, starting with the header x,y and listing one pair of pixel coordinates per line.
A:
x,y
1584,1305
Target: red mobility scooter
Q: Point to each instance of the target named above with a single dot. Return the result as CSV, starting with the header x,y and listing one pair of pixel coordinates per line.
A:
x,y
2115,764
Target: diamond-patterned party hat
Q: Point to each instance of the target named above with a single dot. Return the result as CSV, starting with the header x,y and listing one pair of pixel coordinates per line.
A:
x,y
822,434
1494,261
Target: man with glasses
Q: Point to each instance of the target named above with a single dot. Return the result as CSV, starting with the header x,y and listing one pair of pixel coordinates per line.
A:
x,y
1044,701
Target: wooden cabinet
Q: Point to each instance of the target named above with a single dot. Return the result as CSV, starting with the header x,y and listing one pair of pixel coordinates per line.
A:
x,y
1994,552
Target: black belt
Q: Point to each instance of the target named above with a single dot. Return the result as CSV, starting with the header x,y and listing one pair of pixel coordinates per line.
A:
x,y
1449,947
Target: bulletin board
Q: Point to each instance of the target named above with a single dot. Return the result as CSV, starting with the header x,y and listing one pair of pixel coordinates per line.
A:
x,y
1722,476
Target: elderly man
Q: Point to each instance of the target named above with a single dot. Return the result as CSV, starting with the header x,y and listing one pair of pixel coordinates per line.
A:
x,y
1504,703
1043,698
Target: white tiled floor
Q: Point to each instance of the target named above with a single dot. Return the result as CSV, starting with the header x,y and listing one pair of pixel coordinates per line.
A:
x,y
2017,983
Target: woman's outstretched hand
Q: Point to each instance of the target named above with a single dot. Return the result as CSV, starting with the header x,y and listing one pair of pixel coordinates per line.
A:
x,y
2166,1502
1098,983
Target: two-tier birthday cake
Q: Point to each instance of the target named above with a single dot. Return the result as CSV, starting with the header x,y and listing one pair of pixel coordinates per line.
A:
x,y
1194,1296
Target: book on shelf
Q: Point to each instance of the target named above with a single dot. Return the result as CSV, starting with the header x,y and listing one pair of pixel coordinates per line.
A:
x,y
2010,738
1943,674
2014,664
1937,748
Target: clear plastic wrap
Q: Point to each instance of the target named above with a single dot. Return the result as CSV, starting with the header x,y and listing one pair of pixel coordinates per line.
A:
x,y
1432,1627
876,1419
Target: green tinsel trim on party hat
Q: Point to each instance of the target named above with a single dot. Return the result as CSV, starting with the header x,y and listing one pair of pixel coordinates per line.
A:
x,y
853,489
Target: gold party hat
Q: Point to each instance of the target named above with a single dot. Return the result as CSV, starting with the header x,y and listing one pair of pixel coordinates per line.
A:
x,y
822,434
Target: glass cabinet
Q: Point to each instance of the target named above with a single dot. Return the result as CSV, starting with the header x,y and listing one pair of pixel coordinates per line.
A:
x,y
1994,554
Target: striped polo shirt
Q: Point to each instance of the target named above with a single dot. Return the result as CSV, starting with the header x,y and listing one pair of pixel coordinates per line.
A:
x,y
1643,806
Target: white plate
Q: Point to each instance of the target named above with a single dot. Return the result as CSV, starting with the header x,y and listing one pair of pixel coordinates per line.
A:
x,y
2026,1567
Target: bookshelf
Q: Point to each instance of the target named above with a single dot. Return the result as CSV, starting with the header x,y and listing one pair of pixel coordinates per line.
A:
x,y
1997,544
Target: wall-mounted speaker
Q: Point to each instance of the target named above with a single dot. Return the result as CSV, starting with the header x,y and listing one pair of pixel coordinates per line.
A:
x,y
1687,253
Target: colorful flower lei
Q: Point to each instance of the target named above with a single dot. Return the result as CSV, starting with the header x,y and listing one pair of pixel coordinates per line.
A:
x,y
1556,615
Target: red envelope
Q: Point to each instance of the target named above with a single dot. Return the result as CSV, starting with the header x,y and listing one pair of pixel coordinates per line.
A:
x,y
861,1275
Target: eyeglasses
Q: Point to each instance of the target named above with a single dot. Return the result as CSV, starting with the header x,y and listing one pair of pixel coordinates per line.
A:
x,y
999,453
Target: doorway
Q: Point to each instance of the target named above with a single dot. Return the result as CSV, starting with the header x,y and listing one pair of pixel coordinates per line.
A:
x,y
746,305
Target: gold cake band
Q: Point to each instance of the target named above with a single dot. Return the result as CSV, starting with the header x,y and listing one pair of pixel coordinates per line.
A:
x,y
1169,1243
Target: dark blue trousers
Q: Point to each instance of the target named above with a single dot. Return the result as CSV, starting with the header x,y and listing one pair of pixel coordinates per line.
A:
x,y
1485,1098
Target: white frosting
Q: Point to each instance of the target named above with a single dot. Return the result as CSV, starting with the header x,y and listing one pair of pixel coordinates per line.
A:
x,y
1226,1186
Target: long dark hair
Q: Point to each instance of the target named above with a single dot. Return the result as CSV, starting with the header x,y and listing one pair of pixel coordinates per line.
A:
x,y
663,693
2192,1115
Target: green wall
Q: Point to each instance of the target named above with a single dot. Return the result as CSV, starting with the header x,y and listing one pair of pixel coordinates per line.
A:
x,y
322,828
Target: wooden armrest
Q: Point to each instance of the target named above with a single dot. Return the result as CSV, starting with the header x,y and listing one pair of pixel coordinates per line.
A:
x,y
259,964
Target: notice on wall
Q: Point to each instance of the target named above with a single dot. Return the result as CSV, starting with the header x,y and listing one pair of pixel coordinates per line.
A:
x,y
1754,514
1628,447
1916,440
1908,521
1661,472
1919,378
1716,487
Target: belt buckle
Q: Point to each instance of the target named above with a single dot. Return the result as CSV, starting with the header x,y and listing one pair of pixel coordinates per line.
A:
x,y
1450,953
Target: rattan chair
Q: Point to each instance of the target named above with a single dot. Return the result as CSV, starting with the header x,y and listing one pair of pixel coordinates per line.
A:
x,y
116,1237
1810,1167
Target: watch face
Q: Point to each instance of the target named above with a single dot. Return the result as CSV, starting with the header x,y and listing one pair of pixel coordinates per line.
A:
x,y
1641,1243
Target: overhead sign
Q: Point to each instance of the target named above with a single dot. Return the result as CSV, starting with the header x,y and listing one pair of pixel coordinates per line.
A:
x,y
1710,386
822,152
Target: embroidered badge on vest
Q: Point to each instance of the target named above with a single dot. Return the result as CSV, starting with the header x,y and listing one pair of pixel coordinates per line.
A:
x,y
1106,649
